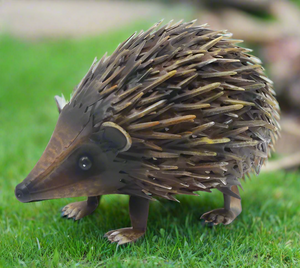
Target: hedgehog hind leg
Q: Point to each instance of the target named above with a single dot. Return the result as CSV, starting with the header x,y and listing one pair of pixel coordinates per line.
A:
x,y
138,210
232,208
78,210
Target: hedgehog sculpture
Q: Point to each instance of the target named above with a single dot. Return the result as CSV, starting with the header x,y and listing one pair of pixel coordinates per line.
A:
x,y
174,110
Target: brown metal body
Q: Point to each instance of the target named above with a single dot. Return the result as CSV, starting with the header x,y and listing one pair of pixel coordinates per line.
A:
x,y
172,111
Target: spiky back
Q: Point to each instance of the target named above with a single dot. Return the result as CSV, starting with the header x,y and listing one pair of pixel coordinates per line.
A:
x,y
199,109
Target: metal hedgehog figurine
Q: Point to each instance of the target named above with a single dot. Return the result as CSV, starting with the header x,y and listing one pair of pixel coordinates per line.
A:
x,y
173,110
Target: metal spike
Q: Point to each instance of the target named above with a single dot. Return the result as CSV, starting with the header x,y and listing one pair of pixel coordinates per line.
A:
x,y
202,128
168,167
192,106
235,132
145,75
223,109
202,64
153,146
149,181
237,144
151,99
144,112
156,135
196,153
185,72
109,90
159,81
187,81
207,141
149,165
232,101
195,92
199,177
143,126
113,65
150,153
176,120
216,74
213,97
187,60
210,44
126,93
121,107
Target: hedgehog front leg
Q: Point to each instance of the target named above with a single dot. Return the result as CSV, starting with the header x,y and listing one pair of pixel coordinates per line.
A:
x,y
232,208
138,210
78,210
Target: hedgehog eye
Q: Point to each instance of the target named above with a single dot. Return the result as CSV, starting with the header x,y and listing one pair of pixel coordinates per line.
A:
x,y
85,163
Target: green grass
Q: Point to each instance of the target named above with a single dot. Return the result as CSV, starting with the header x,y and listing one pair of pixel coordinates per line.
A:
x,y
266,234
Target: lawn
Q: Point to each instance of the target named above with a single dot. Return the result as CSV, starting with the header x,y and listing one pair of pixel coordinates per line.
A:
x,y
266,234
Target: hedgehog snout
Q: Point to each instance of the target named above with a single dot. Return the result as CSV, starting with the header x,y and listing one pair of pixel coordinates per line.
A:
x,y
22,193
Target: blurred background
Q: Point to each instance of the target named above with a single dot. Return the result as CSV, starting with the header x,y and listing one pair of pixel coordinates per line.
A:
x,y
47,46
61,38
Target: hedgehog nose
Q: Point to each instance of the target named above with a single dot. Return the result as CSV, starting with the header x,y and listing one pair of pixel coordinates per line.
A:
x,y
22,193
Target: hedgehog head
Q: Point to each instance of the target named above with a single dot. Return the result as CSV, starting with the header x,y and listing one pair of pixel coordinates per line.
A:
x,y
78,154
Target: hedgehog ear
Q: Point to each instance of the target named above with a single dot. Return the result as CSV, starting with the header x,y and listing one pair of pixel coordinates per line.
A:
x,y
116,135
60,102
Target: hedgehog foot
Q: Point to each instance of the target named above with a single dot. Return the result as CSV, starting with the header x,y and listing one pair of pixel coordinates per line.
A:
x,y
124,235
78,210
220,215
232,208
138,211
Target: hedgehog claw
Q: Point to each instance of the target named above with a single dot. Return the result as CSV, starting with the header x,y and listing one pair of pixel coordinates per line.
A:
x,y
124,235
218,216
77,210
